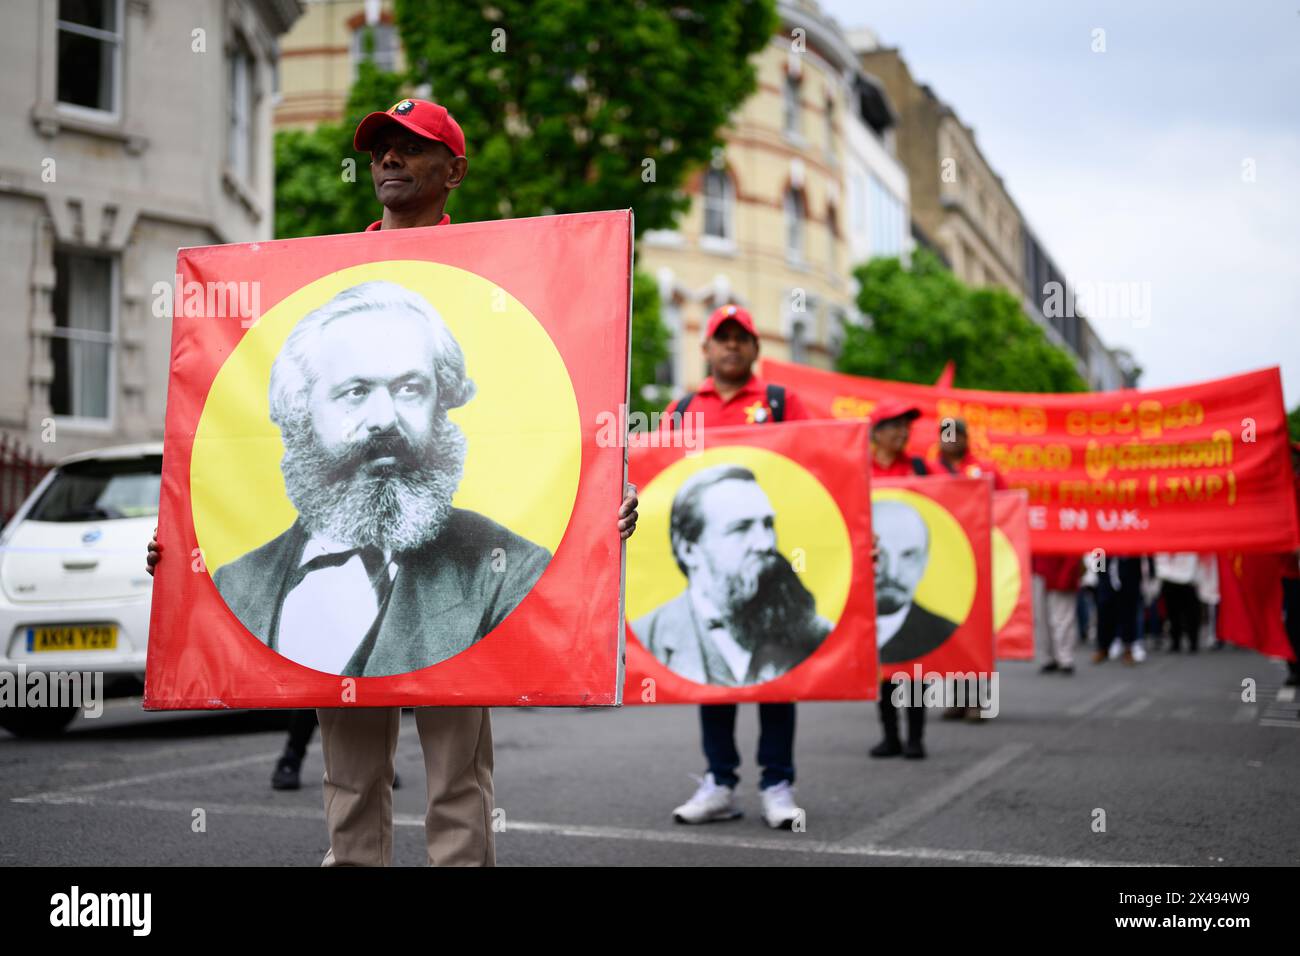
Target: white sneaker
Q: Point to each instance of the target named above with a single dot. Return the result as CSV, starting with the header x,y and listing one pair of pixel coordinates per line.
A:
x,y
711,802
779,809
1139,651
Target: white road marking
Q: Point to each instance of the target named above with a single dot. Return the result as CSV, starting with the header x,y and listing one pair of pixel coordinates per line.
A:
x,y
1270,722
791,843
934,800
1245,714
1098,701
69,794
1135,708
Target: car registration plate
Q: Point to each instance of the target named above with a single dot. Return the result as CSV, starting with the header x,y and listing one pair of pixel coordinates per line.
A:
x,y
94,637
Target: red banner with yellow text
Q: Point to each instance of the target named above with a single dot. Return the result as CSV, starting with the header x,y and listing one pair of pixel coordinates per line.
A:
x,y
1202,467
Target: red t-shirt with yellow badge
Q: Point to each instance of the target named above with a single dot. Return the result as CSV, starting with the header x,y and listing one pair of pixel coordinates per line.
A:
x,y
749,406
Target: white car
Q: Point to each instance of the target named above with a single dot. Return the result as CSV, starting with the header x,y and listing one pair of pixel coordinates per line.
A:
x,y
74,593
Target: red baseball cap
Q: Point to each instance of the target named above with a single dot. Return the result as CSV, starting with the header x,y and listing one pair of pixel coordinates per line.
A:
x,y
419,116
734,313
891,410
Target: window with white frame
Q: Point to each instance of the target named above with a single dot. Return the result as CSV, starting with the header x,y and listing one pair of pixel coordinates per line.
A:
x,y
888,222
81,343
239,108
793,108
795,214
89,59
719,205
800,333
384,52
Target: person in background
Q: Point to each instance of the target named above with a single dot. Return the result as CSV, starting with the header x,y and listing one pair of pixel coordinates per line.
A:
x,y
955,456
1087,607
891,427
1119,598
1207,593
1291,586
1060,574
734,395
956,459
1177,574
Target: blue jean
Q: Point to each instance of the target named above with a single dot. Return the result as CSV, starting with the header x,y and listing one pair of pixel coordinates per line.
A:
x,y
775,743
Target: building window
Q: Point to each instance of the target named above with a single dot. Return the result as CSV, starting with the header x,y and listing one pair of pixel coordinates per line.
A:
x,y
858,204
793,108
666,371
384,52
239,72
799,335
888,225
832,239
89,54
719,205
830,127
81,344
795,214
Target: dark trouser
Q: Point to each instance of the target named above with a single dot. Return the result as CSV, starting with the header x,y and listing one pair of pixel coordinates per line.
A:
x,y
775,743
1291,615
1117,617
301,725
889,714
1184,614
1084,610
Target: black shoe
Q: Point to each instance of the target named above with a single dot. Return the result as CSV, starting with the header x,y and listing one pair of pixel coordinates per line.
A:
x,y
1049,667
286,776
886,748
914,750
1068,670
397,781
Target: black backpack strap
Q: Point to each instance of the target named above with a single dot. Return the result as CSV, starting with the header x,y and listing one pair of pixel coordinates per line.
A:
x,y
918,466
776,402
675,419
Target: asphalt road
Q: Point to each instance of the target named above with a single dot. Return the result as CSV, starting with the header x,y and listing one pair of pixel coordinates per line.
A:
x,y
1185,772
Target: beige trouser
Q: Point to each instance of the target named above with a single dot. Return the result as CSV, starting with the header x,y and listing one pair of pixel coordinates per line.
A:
x,y
1062,626
358,746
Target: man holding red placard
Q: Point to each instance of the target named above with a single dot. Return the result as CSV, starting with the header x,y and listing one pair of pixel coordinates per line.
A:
x,y
417,157
733,395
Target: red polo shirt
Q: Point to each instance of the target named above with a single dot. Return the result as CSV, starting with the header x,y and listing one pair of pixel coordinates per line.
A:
x,y
972,467
747,407
901,468
375,226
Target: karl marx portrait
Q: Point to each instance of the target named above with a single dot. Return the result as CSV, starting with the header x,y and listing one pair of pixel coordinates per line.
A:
x,y
745,617
904,629
379,574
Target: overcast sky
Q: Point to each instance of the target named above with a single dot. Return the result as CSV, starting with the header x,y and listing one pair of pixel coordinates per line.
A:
x,y
1128,163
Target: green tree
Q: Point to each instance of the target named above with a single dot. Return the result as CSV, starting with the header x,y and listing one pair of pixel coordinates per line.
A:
x,y
1293,423
921,316
564,117
323,185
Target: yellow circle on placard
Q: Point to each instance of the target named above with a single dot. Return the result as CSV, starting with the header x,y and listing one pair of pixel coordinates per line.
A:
x,y
1006,578
524,436
810,531
948,586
